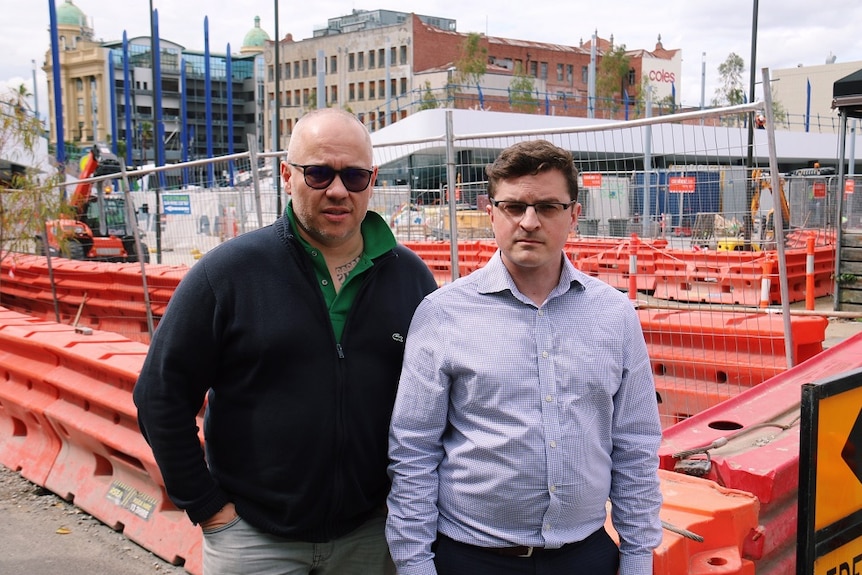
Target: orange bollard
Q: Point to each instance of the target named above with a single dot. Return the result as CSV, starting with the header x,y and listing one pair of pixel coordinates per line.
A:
x,y
633,267
809,271
766,271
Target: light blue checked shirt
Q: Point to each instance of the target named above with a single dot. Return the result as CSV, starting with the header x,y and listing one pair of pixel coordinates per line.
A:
x,y
514,425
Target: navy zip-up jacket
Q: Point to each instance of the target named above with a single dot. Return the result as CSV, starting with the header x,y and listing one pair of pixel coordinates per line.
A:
x,y
296,424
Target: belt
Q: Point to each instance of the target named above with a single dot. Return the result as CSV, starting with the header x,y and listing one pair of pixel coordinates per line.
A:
x,y
522,551
517,551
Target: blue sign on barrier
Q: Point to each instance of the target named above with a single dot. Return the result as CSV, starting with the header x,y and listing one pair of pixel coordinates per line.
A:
x,y
176,204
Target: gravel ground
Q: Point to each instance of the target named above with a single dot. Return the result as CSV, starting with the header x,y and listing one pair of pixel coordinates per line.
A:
x,y
41,534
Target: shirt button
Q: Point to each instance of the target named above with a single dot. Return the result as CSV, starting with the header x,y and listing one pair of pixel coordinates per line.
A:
x,y
546,527
549,398
553,443
553,488
314,254
325,282
545,354
541,312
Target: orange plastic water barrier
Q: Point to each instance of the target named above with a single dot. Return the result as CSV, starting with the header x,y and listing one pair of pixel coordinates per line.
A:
x,y
613,265
105,296
99,459
702,358
725,345
752,442
724,518
28,443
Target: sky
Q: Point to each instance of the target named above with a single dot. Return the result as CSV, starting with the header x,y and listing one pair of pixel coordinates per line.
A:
x,y
789,32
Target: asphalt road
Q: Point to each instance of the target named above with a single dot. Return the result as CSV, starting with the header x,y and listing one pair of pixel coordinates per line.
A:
x,y
41,534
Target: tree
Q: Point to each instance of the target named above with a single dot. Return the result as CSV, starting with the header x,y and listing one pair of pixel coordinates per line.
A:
x,y
26,197
731,92
521,90
473,62
612,76
146,131
311,99
429,102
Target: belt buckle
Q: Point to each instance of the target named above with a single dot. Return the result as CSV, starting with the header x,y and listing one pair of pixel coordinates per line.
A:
x,y
529,553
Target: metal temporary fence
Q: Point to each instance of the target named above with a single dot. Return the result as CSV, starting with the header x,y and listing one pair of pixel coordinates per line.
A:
x,y
698,245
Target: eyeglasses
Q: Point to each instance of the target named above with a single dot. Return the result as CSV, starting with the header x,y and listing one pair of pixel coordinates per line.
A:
x,y
543,209
320,177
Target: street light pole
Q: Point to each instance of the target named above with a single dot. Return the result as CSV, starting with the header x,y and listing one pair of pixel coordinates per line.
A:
x,y
748,219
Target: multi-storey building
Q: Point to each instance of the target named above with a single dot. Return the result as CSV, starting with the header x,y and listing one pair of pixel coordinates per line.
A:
x,y
93,87
384,65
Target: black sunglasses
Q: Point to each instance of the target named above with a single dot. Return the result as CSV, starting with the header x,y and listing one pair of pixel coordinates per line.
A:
x,y
320,177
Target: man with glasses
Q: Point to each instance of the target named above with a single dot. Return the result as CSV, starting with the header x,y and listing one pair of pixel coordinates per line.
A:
x,y
294,333
526,402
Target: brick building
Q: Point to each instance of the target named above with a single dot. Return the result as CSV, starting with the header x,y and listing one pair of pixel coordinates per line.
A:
x,y
385,65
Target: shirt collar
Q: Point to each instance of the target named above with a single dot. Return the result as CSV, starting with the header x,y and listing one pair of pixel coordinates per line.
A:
x,y
497,278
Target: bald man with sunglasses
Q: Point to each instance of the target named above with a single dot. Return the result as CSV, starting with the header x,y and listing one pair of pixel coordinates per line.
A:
x,y
294,334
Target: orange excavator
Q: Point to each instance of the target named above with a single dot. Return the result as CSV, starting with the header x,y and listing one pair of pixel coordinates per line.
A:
x,y
100,229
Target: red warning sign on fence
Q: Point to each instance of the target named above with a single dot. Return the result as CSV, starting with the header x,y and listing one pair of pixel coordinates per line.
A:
x,y
849,186
592,179
682,184
818,189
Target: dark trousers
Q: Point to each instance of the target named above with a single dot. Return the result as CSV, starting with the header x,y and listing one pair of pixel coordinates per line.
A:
x,y
595,555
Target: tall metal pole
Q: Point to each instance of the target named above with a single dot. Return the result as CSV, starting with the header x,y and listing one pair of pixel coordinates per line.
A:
x,y
276,172
748,223
58,92
35,92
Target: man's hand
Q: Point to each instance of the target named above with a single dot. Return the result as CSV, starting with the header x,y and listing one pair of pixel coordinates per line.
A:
x,y
225,515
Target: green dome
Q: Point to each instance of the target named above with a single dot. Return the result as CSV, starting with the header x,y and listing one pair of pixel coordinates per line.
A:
x,y
70,15
256,37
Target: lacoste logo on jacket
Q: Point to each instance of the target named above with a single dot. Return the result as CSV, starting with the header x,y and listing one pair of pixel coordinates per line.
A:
x,y
398,337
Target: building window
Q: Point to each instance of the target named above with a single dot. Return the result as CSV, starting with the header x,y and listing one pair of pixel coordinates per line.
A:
x,y
403,86
559,72
371,86
544,69
334,92
381,88
286,71
381,57
403,55
351,62
371,66
80,106
305,68
631,76
297,98
296,69
360,60
361,91
392,55
585,74
351,92
79,84
570,73
314,67
333,64
534,69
